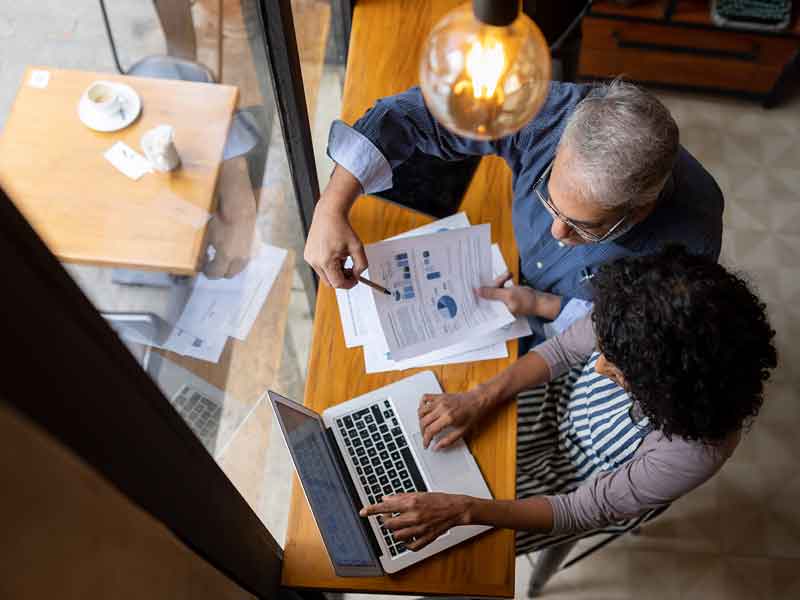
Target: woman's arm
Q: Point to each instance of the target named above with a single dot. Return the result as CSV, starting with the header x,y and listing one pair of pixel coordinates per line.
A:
x,y
427,516
661,472
461,411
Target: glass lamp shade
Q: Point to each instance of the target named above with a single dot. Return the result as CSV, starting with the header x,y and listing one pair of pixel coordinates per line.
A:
x,y
481,81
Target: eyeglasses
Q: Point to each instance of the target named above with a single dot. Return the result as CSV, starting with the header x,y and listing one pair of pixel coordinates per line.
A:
x,y
616,230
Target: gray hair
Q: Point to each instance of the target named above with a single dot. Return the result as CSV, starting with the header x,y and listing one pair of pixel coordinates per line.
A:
x,y
622,143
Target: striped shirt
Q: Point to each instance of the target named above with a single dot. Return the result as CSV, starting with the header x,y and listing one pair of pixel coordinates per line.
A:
x,y
659,472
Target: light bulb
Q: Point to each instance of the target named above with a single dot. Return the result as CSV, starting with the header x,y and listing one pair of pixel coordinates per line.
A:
x,y
482,81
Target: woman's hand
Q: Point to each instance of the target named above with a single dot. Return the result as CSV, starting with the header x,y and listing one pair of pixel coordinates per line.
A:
x,y
422,517
460,412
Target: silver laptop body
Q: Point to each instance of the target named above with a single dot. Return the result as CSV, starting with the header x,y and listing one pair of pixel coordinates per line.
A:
x,y
376,450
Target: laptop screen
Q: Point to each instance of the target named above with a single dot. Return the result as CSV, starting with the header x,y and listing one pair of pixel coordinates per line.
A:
x,y
330,503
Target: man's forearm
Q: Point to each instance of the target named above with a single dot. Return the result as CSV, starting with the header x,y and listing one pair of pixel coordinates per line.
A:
x,y
341,192
237,202
531,514
529,371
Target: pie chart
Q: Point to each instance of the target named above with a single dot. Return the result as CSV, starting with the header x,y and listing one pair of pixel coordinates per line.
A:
x,y
447,307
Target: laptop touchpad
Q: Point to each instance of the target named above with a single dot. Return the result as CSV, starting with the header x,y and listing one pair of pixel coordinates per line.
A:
x,y
443,467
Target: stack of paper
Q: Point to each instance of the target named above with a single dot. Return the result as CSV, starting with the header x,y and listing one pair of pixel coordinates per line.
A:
x,y
433,315
217,309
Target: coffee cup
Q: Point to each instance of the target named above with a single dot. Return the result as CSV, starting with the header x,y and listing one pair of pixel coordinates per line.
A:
x,y
103,97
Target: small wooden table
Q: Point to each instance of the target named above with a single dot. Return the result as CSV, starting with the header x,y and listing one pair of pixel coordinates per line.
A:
x,y
86,210
383,60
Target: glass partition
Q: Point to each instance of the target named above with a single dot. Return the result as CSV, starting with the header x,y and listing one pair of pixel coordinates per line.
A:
x,y
318,26
143,143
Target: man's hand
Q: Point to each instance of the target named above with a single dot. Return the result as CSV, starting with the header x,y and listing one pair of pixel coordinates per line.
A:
x,y
522,300
232,241
331,239
423,516
232,227
460,412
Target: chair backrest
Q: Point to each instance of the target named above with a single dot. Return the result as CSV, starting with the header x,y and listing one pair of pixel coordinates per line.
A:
x,y
177,24
169,67
176,21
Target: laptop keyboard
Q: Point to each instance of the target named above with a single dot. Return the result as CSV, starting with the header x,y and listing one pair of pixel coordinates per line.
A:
x,y
382,458
200,412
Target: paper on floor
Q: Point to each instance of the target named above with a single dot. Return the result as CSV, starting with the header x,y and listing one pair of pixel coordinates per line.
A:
x,y
433,279
230,306
219,308
208,348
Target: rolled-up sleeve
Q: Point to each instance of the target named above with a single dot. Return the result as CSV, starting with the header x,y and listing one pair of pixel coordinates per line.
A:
x,y
391,131
355,152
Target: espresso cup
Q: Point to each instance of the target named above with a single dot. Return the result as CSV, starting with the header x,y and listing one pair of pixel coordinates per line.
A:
x,y
103,97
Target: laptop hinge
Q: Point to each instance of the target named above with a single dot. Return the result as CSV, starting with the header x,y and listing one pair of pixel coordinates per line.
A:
x,y
351,490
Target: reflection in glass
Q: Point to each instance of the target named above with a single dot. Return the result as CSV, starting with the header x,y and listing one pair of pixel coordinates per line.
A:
x,y
216,334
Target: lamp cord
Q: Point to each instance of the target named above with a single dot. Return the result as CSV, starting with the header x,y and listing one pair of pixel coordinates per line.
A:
x,y
556,46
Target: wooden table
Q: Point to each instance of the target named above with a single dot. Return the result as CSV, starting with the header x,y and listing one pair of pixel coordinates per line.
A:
x,y
383,59
85,209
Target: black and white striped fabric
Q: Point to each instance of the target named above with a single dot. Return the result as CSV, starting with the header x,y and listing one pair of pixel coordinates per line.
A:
x,y
567,431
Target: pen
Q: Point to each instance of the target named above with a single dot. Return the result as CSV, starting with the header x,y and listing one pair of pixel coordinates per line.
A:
x,y
374,286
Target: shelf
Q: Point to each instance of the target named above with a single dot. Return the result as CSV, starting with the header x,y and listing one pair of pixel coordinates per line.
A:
x,y
687,12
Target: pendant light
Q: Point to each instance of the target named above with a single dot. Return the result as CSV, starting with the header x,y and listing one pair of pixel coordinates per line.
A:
x,y
485,69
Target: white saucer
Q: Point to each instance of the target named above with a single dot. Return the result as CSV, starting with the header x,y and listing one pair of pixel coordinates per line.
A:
x,y
130,107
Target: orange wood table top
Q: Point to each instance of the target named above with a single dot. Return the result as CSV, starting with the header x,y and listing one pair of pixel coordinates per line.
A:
x,y
383,60
85,209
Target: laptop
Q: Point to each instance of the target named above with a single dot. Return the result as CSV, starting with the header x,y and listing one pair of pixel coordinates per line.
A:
x,y
198,402
357,452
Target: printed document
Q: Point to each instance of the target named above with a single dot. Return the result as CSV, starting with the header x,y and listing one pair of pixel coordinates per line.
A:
x,y
491,346
432,280
356,306
219,308
230,306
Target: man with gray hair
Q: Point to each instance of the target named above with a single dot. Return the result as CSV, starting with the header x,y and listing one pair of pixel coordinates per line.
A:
x,y
598,174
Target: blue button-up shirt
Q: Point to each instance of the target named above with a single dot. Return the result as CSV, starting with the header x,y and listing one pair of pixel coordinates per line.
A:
x,y
688,212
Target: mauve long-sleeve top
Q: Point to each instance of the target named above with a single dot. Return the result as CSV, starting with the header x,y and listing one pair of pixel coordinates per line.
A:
x,y
661,470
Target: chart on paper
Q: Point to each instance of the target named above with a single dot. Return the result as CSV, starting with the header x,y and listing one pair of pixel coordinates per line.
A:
x,y
433,279
356,305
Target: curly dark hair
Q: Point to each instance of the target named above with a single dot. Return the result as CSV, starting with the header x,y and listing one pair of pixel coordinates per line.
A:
x,y
692,340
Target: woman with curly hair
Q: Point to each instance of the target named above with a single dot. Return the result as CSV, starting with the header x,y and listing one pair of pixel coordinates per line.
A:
x,y
632,407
